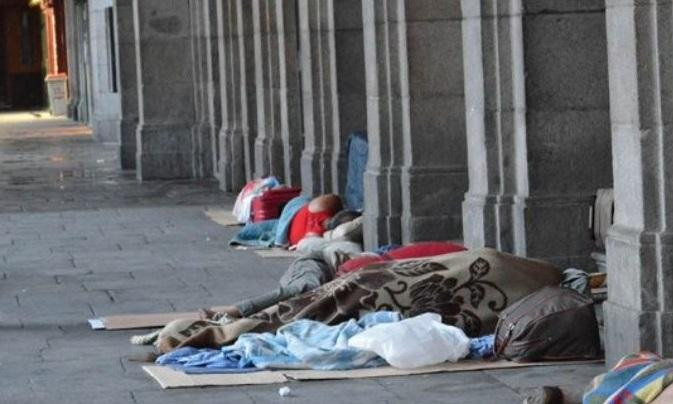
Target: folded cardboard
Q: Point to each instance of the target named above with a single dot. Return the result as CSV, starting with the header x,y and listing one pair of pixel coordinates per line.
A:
x,y
222,217
171,379
137,321
277,253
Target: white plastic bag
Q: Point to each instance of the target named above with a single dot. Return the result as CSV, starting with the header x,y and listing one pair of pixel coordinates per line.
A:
x,y
416,342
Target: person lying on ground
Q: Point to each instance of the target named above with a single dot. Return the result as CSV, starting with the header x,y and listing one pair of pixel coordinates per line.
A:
x,y
468,289
321,265
312,219
300,218
303,275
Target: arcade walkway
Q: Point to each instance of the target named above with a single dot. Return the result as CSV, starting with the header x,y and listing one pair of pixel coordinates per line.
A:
x,y
80,238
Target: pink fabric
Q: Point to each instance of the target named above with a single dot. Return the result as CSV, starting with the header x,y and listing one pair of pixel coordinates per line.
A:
x,y
418,250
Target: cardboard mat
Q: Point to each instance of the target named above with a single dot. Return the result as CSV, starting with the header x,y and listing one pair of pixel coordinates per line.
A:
x,y
222,217
136,321
173,379
277,253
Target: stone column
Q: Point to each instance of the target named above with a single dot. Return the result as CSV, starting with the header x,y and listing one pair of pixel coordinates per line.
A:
x,y
287,90
232,151
320,105
278,142
351,88
434,172
128,83
333,89
639,311
247,85
495,121
210,9
202,76
102,74
57,68
72,57
79,62
165,89
537,125
417,163
383,196
264,165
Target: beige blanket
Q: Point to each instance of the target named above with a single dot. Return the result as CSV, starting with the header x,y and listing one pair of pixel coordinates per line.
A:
x,y
467,289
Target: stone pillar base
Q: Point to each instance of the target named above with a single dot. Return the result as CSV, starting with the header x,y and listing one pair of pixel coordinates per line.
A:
x,y
494,221
382,196
272,153
570,242
310,167
629,331
128,148
431,204
232,160
522,226
57,89
165,152
202,148
639,310
262,163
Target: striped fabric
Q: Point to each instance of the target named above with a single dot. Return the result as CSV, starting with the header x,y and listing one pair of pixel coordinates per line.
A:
x,y
636,379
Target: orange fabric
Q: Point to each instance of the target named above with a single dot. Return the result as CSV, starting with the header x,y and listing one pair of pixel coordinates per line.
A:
x,y
306,222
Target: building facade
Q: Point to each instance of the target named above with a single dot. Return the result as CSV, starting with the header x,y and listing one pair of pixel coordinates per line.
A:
x,y
490,121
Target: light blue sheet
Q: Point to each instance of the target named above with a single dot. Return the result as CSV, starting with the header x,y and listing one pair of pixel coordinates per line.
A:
x,y
300,344
261,234
285,220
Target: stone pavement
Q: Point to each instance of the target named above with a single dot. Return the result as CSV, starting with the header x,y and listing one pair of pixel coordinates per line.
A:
x,y
79,238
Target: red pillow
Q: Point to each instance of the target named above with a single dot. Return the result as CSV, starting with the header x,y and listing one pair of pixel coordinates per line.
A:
x,y
356,264
424,249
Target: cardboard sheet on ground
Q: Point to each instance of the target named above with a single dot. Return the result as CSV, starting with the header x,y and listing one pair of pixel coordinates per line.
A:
x,y
222,217
277,253
173,379
136,321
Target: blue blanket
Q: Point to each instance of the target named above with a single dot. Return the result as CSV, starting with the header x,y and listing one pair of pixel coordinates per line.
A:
x,y
300,344
285,220
260,234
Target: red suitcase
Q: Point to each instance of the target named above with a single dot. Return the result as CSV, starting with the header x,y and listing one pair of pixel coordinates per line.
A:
x,y
270,204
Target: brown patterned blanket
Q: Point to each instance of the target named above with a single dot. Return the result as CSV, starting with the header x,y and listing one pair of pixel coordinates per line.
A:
x,y
467,289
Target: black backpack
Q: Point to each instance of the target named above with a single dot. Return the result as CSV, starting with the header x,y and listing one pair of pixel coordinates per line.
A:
x,y
552,324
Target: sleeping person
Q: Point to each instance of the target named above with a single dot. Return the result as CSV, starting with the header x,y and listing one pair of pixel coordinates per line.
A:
x,y
468,289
